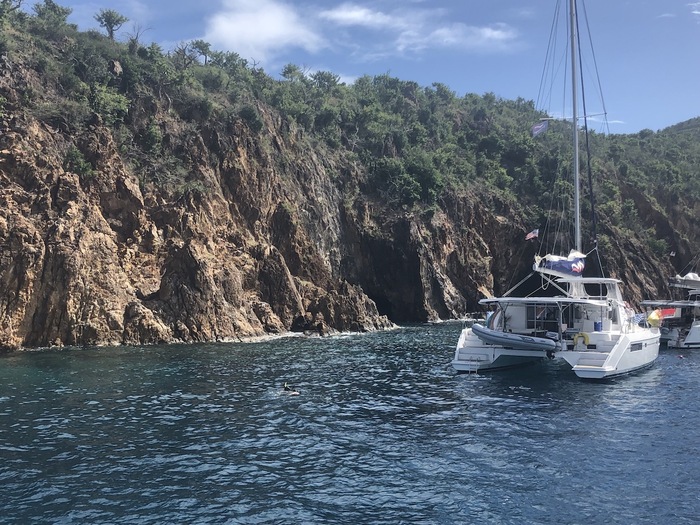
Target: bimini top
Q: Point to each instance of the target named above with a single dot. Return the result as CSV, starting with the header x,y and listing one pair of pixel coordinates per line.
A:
x,y
671,304
561,299
589,280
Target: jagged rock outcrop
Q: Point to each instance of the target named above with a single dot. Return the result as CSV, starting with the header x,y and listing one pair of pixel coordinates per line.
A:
x,y
99,258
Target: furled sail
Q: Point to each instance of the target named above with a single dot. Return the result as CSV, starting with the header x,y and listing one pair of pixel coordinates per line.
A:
x,y
571,265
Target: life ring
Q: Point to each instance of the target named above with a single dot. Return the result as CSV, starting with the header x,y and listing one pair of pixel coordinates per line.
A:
x,y
582,335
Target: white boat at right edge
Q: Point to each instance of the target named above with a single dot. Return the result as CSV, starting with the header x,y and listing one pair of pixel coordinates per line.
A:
x,y
585,321
679,318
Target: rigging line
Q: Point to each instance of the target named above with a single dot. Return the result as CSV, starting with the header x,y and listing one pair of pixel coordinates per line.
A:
x,y
552,196
562,212
553,225
510,290
600,262
557,218
589,169
546,285
595,68
597,252
512,275
594,220
691,264
565,87
549,60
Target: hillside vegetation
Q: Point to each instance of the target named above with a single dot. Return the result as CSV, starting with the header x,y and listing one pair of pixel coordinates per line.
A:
x,y
384,192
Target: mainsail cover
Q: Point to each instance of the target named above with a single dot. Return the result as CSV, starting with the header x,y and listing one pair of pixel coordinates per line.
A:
x,y
571,265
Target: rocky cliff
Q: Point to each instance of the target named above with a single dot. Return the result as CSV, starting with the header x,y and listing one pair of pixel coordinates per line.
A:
x,y
100,258
265,232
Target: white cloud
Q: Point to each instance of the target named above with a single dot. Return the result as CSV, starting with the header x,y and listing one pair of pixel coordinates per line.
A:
x,y
412,30
260,29
468,38
356,15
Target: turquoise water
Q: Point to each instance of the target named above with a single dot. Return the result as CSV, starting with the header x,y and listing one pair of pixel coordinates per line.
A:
x,y
382,431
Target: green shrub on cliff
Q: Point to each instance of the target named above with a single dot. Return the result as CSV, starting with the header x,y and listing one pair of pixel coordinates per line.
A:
x,y
251,117
75,161
109,104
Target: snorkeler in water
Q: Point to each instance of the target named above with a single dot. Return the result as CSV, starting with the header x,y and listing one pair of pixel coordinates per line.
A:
x,y
288,390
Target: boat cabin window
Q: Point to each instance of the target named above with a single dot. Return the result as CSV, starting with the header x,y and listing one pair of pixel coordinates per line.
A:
x,y
596,290
546,317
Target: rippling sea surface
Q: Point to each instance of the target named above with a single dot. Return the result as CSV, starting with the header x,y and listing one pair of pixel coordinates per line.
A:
x,y
382,431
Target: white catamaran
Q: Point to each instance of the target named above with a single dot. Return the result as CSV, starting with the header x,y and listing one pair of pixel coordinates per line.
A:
x,y
585,321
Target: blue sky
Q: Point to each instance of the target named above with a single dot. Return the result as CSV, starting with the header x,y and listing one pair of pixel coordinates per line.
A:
x,y
647,51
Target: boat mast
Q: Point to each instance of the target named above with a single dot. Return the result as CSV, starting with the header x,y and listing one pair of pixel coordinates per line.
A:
x,y
574,98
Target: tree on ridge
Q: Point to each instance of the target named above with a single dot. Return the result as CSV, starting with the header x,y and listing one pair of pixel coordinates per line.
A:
x,y
111,21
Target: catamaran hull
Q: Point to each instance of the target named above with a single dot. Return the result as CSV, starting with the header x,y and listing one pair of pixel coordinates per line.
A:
x,y
599,375
629,354
492,361
474,354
